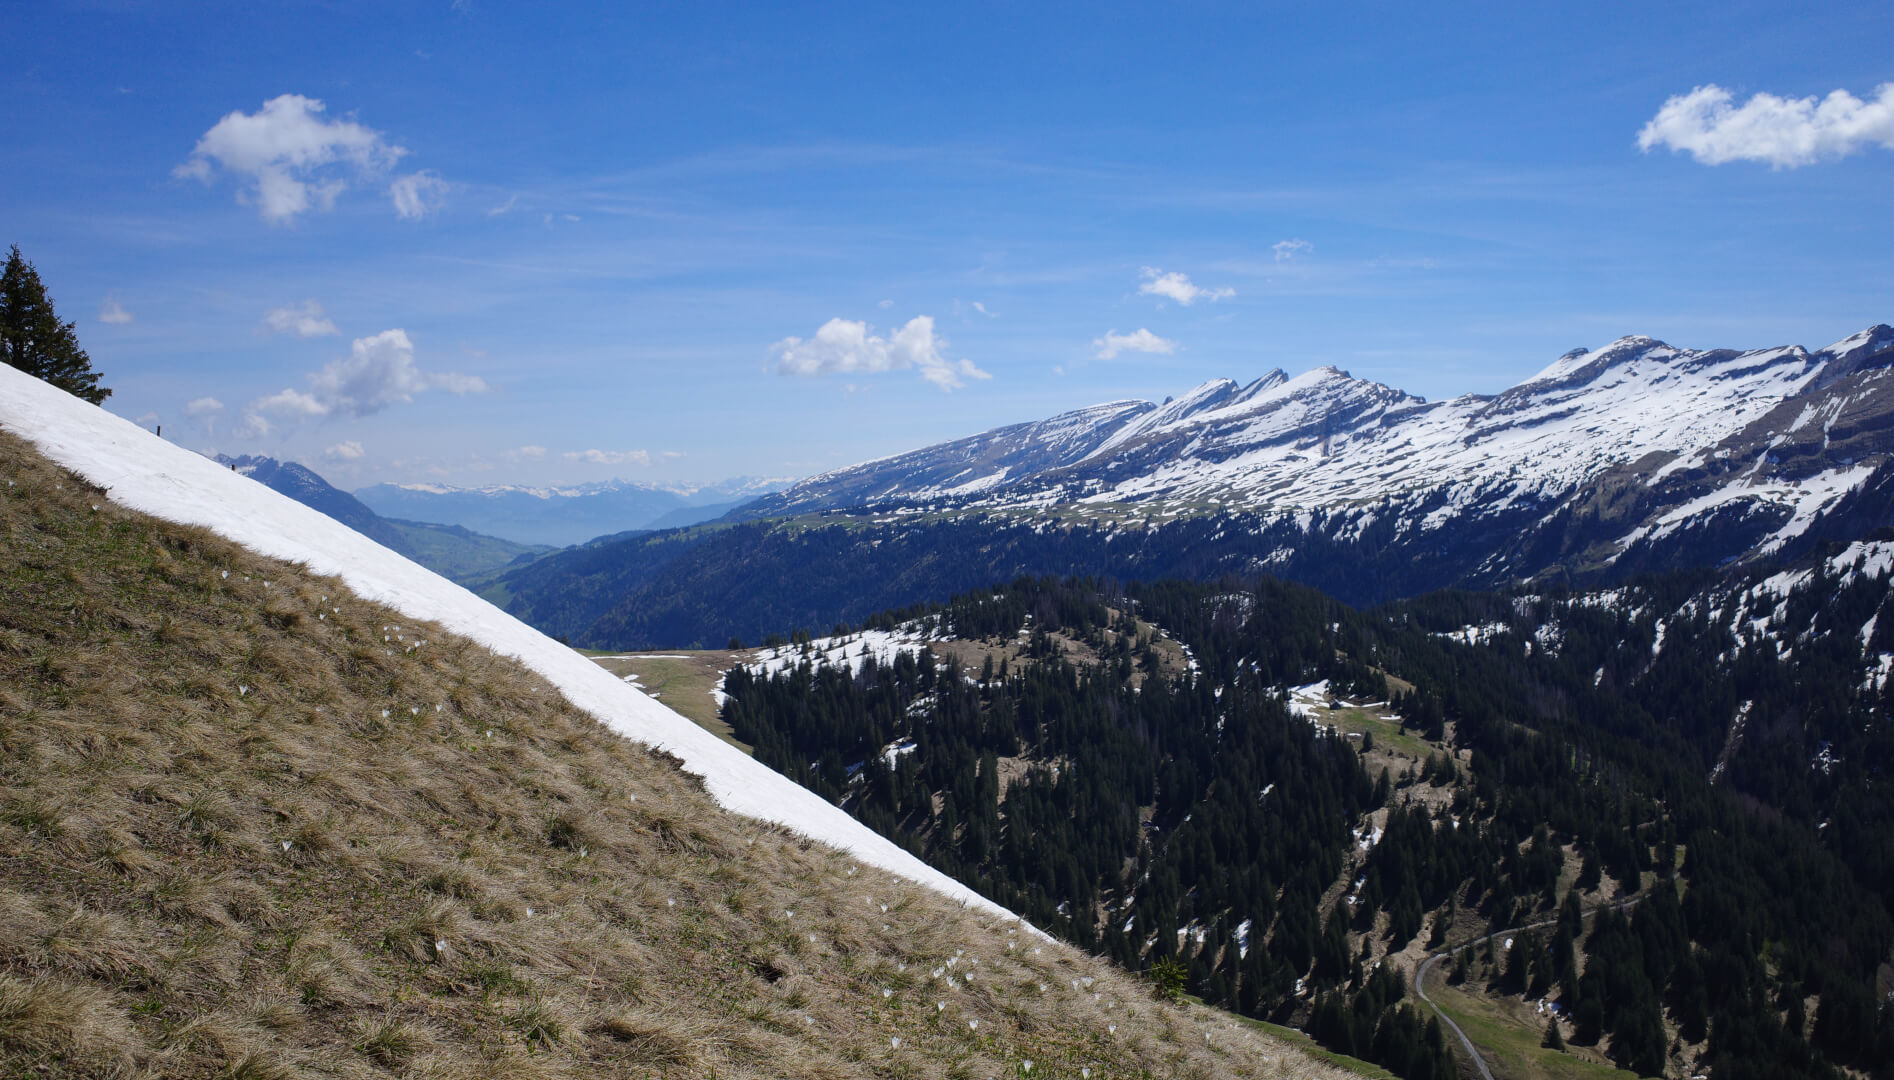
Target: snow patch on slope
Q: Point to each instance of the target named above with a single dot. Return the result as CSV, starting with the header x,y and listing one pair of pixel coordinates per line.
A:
x,y
847,651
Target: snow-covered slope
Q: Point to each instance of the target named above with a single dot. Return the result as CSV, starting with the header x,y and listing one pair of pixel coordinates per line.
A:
x,y
148,474
989,461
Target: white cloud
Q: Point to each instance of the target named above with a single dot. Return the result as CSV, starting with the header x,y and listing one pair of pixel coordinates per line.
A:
x,y
306,319
206,411
1289,249
526,452
378,372
981,308
113,312
885,304
1140,340
610,457
291,159
842,346
290,403
1178,287
672,455
344,451
1785,132
417,195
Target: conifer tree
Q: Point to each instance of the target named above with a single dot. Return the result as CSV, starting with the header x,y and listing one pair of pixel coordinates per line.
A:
x,y
34,340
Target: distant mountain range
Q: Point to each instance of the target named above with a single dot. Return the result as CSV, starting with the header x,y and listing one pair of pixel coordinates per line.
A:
x,y
565,515
1636,457
450,550
306,486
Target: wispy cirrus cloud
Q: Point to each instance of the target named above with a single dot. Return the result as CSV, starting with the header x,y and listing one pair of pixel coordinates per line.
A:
x,y
844,346
114,312
1285,250
1177,286
306,319
418,195
610,457
1785,132
1139,340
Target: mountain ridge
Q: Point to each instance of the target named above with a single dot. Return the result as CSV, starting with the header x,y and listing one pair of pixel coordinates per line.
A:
x,y
1633,458
1327,441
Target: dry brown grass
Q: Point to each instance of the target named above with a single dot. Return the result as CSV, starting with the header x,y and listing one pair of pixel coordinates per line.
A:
x,y
253,826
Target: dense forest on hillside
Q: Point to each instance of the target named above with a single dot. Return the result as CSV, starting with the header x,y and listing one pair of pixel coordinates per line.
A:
x,y
699,587
1565,753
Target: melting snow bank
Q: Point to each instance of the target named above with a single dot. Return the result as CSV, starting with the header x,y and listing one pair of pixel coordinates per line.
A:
x,y
1476,635
145,473
1309,701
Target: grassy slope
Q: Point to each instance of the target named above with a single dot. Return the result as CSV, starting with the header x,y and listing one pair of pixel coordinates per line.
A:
x,y
1504,1031
252,826
683,679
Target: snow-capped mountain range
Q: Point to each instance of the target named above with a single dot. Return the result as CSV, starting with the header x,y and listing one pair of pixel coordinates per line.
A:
x,y
1640,443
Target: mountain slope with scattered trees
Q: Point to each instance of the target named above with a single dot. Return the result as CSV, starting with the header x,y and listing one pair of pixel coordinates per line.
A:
x,y
1716,748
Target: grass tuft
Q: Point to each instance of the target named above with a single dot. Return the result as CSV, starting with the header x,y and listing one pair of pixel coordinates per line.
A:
x,y
391,1042
651,1041
49,1017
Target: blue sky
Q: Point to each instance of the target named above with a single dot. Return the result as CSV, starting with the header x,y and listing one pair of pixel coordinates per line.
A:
x,y
567,242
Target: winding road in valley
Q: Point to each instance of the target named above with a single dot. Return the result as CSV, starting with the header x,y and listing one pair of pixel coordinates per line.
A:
x,y
1420,973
